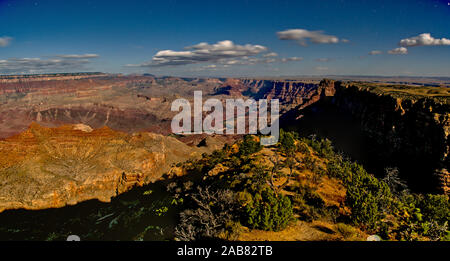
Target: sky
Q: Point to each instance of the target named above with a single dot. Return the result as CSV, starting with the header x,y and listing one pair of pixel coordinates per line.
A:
x,y
226,38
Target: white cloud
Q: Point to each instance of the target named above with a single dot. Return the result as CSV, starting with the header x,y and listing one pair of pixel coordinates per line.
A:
x,y
211,67
399,50
241,61
246,61
375,52
78,56
5,41
291,59
423,40
202,52
257,60
302,35
272,54
55,63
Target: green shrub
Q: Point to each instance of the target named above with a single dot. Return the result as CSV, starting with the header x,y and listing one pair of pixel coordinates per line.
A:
x,y
434,207
268,211
345,230
323,147
249,146
287,142
367,196
423,215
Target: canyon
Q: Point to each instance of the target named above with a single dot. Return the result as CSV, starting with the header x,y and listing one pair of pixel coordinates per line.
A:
x,y
71,138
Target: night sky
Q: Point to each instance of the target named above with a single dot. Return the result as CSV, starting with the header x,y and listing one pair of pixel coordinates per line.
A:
x,y
226,38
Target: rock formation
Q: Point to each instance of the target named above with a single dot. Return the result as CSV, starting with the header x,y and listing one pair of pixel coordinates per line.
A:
x,y
408,128
405,127
53,167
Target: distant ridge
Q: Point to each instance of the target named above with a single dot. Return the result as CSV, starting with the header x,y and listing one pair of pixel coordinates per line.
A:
x,y
9,76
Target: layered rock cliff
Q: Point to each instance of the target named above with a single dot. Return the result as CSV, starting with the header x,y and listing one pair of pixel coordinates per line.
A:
x,y
412,130
290,93
400,126
125,103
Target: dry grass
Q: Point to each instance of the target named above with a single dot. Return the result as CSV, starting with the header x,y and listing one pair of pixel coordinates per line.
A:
x,y
439,94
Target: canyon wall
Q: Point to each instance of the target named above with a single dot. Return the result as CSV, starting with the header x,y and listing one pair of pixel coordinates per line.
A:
x,y
411,131
290,93
383,127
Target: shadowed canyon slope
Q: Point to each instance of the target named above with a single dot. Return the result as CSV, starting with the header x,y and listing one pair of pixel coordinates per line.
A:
x,y
386,126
